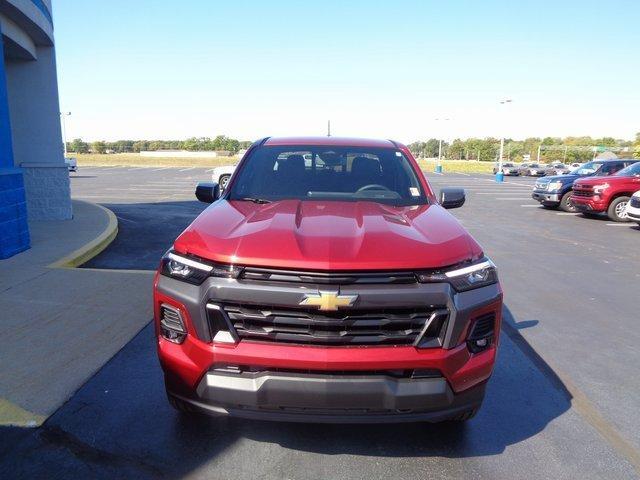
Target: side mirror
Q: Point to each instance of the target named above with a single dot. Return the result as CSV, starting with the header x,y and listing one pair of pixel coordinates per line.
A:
x,y
207,192
452,197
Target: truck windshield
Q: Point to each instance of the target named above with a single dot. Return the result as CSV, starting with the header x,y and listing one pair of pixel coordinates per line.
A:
x,y
632,170
272,173
587,168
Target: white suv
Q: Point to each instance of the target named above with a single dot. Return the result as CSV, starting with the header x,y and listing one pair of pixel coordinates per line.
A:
x,y
633,208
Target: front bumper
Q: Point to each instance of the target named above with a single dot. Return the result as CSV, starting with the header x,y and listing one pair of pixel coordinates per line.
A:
x,y
633,213
299,381
331,399
545,198
588,204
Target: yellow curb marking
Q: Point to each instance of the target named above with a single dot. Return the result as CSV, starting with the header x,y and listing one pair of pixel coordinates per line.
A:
x,y
95,246
13,415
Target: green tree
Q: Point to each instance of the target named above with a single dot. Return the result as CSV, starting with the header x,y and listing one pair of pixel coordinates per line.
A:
x,y
98,147
78,146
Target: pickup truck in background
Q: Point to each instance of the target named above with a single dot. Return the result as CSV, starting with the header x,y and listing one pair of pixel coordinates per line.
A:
x,y
556,191
71,163
608,195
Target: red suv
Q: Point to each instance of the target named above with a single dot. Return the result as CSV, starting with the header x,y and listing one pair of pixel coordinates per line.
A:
x,y
608,194
327,284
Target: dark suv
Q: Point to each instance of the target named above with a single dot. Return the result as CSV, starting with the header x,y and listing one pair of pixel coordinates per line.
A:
x,y
555,191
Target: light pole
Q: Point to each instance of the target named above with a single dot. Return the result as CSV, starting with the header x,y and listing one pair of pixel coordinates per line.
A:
x,y
64,115
439,164
500,173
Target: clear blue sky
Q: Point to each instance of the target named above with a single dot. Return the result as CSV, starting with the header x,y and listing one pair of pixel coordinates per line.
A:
x,y
172,69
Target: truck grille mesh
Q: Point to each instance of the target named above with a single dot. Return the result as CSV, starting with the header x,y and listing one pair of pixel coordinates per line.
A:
x,y
397,326
582,193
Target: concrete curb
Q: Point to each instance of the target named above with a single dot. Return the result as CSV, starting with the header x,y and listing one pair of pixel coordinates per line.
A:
x,y
95,246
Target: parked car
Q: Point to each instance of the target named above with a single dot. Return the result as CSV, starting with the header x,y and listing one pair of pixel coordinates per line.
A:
x,y
633,208
71,163
575,165
508,168
222,175
531,169
557,168
608,194
278,301
556,191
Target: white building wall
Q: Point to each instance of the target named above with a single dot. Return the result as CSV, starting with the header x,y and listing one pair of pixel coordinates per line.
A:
x,y
34,109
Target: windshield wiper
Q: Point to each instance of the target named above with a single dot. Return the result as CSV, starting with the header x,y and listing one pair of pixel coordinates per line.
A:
x,y
260,201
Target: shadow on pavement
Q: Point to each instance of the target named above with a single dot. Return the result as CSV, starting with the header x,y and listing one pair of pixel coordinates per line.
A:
x,y
145,233
120,425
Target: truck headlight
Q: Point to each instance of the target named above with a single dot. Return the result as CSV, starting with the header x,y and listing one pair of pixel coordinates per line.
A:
x,y
479,274
598,189
554,186
194,270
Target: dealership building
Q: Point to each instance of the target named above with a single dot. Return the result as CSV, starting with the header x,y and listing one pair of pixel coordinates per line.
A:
x,y
34,181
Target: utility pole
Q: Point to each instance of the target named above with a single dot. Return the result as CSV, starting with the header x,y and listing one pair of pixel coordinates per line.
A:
x,y
64,115
538,157
499,172
328,128
439,165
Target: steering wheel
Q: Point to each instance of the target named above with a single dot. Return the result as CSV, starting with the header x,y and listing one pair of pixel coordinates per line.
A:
x,y
372,186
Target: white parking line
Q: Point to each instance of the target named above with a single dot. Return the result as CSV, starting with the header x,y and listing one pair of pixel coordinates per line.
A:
x,y
530,206
187,169
158,169
497,193
567,213
622,224
514,198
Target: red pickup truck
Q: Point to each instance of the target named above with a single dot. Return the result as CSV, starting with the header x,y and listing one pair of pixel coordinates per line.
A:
x,y
329,284
610,194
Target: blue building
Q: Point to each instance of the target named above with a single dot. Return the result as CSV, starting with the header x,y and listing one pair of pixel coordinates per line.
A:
x,y
34,181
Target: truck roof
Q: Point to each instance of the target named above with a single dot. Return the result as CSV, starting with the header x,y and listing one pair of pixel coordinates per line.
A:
x,y
331,141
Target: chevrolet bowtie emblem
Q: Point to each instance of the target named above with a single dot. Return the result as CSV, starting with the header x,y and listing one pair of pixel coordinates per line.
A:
x,y
328,301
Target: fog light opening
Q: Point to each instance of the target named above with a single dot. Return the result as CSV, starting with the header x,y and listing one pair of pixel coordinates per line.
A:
x,y
172,326
481,335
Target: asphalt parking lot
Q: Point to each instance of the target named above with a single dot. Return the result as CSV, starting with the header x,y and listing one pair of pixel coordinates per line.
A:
x,y
562,403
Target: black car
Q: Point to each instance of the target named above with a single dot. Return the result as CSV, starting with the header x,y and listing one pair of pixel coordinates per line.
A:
x,y
555,191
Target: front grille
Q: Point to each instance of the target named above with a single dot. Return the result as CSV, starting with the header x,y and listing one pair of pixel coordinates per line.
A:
x,y
582,193
333,278
396,326
635,202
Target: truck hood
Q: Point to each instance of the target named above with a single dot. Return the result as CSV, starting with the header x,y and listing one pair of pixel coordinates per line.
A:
x,y
610,179
328,235
561,178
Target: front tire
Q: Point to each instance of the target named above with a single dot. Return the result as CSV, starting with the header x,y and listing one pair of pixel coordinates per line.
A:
x,y
224,181
566,204
616,211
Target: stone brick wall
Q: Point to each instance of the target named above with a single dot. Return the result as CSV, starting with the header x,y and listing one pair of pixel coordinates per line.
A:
x,y
48,192
14,230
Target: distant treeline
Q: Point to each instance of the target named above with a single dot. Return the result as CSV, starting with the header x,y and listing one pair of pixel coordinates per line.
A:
x,y
219,143
569,149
